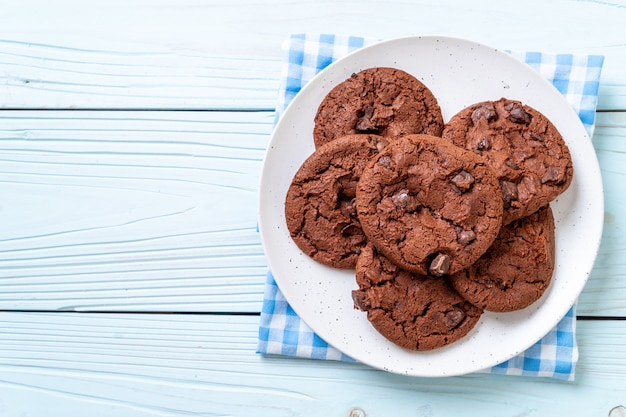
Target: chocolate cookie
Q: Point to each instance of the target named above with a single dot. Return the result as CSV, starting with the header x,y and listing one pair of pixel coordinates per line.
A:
x,y
527,152
414,311
516,270
319,205
383,101
429,206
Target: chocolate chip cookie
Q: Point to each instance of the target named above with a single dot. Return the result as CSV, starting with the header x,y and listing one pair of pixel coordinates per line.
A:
x,y
516,270
320,202
429,206
527,152
383,101
414,311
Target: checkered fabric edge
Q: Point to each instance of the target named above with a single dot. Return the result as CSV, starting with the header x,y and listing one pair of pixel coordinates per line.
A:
x,y
282,332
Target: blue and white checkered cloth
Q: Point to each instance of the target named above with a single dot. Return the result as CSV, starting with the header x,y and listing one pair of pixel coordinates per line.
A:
x,y
282,332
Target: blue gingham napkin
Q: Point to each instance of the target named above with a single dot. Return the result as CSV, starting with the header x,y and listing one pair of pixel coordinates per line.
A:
x,y
282,332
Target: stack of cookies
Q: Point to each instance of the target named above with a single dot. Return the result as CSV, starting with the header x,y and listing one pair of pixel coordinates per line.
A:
x,y
441,221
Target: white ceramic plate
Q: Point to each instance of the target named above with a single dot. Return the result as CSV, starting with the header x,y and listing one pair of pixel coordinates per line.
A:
x,y
459,73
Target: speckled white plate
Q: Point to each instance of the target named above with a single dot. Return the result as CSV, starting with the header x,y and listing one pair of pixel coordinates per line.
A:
x,y
459,73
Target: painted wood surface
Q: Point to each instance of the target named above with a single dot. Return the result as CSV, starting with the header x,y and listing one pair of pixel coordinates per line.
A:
x,y
215,55
131,139
203,365
131,211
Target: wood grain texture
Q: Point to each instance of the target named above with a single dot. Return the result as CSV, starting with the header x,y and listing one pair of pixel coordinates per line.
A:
x,y
156,211
131,211
604,293
190,365
194,54
55,76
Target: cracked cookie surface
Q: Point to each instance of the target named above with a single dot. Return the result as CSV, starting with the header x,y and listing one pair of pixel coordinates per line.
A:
x,y
429,206
414,311
527,152
517,268
383,101
319,206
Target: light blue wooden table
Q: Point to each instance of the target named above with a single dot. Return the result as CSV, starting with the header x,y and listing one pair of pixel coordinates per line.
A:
x,y
131,273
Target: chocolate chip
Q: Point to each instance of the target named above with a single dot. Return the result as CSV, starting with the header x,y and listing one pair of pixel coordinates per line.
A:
x,y
351,229
399,158
383,114
517,113
486,111
381,144
465,237
463,180
509,192
385,161
352,232
440,265
403,200
360,300
454,317
511,164
339,227
484,144
551,175
347,186
347,207
364,124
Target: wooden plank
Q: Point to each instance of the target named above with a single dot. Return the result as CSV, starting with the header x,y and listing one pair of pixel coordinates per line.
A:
x,y
52,76
199,55
190,365
607,284
131,211
156,211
